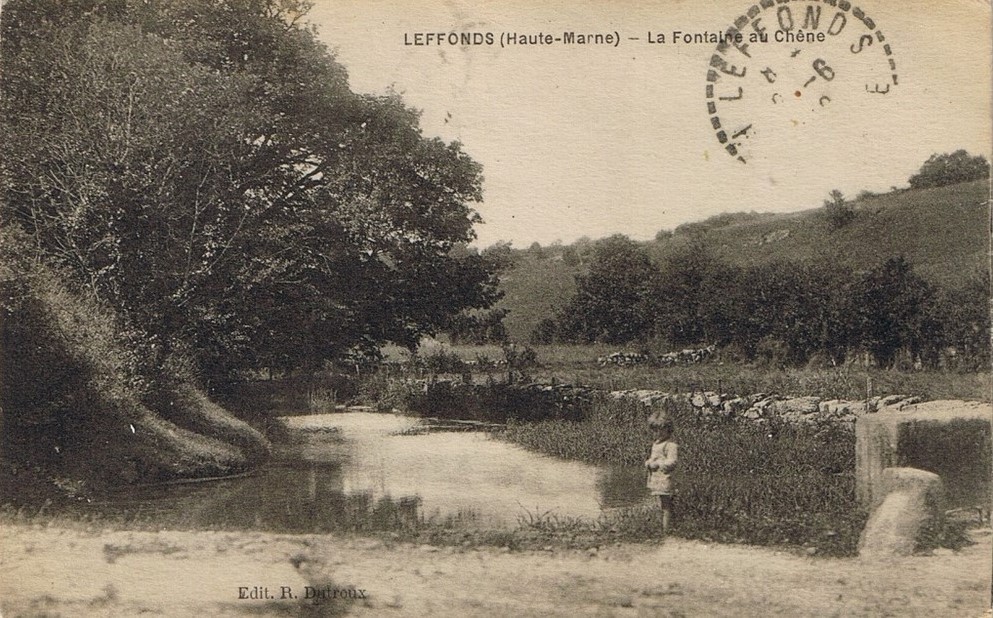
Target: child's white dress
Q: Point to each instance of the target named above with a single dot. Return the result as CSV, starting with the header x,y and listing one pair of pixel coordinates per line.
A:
x,y
664,455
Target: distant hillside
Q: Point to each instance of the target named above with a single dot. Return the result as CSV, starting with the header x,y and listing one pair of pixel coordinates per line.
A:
x,y
944,232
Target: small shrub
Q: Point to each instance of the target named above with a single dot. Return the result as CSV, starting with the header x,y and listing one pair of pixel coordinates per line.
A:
x,y
839,214
441,360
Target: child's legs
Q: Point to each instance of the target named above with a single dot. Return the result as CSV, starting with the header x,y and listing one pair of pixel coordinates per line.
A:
x,y
665,502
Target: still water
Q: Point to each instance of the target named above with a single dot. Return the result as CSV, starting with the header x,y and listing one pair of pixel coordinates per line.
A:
x,y
361,470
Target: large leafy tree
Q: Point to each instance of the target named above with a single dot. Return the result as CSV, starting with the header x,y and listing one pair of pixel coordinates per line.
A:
x,y
203,166
891,311
679,298
798,309
613,300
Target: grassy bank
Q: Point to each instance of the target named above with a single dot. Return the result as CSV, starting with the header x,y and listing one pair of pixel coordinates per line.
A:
x,y
83,405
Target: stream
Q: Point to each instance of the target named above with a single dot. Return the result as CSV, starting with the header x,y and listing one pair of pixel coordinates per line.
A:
x,y
363,470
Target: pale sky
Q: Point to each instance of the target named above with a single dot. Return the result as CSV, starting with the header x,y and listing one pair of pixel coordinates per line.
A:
x,y
595,140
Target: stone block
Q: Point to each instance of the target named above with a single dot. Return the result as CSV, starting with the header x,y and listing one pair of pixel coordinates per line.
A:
x,y
912,498
798,405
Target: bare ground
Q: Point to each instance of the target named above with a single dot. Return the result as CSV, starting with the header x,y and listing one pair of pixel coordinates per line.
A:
x,y
53,571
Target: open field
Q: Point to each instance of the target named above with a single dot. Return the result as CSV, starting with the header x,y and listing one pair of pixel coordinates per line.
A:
x,y
576,364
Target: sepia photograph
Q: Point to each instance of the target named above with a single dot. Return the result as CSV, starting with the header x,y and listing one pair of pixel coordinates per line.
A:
x,y
461,308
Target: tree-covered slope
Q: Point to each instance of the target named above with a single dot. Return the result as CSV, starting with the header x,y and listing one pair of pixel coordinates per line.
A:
x,y
943,232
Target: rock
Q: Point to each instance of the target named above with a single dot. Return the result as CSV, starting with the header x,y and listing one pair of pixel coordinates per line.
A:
x,y
649,397
903,402
857,407
912,498
735,406
798,405
897,401
764,403
841,407
650,401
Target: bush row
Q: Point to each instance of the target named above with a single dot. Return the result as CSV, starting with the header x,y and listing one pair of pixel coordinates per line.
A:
x,y
781,313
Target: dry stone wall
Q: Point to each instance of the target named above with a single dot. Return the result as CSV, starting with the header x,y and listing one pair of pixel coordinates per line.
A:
x,y
761,407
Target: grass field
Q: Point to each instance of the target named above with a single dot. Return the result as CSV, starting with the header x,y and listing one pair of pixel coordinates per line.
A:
x,y
576,364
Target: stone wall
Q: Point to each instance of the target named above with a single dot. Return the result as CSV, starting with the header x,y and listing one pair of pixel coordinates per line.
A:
x,y
762,407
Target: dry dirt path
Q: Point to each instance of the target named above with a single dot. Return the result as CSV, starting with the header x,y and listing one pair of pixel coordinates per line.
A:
x,y
51,571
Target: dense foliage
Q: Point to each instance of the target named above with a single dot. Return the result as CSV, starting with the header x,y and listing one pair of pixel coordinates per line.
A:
x,y
947,169
478,327
203,168
780,312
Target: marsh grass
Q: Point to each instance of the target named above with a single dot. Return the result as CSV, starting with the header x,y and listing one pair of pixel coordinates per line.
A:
x,y
775,483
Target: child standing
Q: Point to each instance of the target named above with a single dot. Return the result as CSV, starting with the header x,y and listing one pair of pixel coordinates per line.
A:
x,y
660,464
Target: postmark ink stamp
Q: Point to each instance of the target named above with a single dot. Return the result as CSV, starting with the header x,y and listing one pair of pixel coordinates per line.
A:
x,y
783,65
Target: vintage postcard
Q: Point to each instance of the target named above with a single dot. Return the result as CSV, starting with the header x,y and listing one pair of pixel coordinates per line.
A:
x,y
380,308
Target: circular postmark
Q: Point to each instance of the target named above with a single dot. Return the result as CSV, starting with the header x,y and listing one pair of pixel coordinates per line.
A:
x,y
783,65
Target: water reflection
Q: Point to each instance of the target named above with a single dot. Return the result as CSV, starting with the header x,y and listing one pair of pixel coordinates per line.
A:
x,y
364,471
